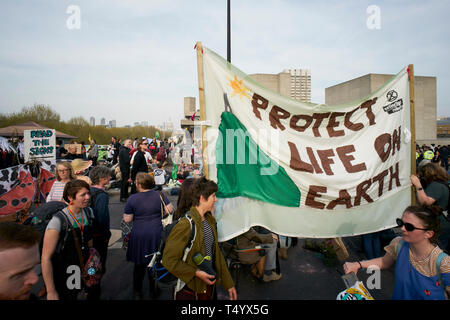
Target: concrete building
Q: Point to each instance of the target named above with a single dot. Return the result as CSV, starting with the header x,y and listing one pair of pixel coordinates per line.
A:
x,y
103,122
92,121
189,111
424,97
112,123
443,127
293,83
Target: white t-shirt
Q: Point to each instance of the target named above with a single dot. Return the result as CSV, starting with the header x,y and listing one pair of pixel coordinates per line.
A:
x,y
160,178
55,223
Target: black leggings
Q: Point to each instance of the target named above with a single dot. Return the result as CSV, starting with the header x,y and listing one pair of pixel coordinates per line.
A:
x,y
138,279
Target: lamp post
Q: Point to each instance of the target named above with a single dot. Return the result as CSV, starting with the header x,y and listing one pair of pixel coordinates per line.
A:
x,y
228,32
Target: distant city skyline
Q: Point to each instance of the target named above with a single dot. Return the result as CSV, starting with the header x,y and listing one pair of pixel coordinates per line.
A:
x,y
129,60
166,125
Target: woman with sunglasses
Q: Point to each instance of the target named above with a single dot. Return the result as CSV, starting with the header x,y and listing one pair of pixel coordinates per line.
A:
x,y
414,254
139,163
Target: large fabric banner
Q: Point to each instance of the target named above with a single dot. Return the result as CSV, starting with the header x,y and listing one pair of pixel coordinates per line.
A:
x,y
302,169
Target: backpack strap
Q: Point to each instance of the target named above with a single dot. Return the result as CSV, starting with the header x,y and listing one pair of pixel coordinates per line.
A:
x,y
399,246
439,259
180,284
90,214
191,237
65,228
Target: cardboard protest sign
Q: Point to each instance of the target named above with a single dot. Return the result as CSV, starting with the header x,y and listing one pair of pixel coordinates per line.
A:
x,y
39,144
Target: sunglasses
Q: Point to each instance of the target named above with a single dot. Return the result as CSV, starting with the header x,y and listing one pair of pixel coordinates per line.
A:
x,y
408,226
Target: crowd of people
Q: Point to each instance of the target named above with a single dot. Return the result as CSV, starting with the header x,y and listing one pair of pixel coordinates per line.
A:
x,y
80,231
436,154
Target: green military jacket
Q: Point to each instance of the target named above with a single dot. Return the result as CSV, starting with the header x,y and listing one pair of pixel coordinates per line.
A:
x,y
174,251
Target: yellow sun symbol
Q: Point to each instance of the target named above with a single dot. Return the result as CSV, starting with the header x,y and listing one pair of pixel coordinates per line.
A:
x,y
238,87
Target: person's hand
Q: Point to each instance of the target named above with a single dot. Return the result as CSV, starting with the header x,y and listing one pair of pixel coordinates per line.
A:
x,y
351,267
205,277
415,181
52,295
130,181
232,293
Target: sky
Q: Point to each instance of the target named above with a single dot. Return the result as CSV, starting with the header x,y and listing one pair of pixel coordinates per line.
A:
x,y
131,60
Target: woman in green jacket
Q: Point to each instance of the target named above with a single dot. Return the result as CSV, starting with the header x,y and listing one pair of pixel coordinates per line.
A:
x,y
199,285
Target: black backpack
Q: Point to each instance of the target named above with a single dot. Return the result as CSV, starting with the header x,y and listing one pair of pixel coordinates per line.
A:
x,y
42,216
158,271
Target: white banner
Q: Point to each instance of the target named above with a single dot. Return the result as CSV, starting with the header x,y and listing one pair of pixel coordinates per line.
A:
x,y
40,144
306,170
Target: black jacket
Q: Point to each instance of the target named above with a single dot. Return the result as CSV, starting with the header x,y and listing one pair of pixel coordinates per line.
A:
x,y
124,161
139,164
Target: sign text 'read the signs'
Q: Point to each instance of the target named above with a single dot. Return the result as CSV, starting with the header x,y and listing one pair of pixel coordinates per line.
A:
x,y
40,144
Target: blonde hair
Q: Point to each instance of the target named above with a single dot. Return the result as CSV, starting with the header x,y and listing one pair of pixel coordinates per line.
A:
x,y
66,165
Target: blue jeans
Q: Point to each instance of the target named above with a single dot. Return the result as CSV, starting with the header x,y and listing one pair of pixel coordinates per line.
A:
x,y
372,245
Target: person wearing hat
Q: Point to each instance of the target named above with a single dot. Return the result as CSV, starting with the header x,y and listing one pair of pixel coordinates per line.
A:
x,y
79,168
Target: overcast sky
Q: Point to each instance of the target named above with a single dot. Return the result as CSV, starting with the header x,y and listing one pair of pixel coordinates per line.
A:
x,y
133,60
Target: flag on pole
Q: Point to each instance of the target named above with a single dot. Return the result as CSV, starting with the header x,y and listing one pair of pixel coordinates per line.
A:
x,y
304,169
174,171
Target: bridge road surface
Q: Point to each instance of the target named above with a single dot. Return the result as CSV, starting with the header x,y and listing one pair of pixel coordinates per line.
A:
x,y
304,274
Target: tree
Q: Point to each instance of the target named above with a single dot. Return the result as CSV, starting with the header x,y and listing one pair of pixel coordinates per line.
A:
x,y
38,113
76,126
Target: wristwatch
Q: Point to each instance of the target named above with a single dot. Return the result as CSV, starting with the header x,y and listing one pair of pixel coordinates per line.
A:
x,y
418,189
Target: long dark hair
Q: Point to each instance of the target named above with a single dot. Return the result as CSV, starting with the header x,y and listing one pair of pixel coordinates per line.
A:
x,y
184,202
433,172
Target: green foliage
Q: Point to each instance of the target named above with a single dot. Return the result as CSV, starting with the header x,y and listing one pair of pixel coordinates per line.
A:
x,y
77,126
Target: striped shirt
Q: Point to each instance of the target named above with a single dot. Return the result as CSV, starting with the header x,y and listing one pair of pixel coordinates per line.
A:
x,y
208,236
56,192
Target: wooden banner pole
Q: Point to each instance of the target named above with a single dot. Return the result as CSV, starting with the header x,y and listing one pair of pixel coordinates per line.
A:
x,y
201,96
413,128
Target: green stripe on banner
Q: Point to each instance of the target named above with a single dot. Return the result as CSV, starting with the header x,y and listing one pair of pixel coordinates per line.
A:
x,y
245,179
